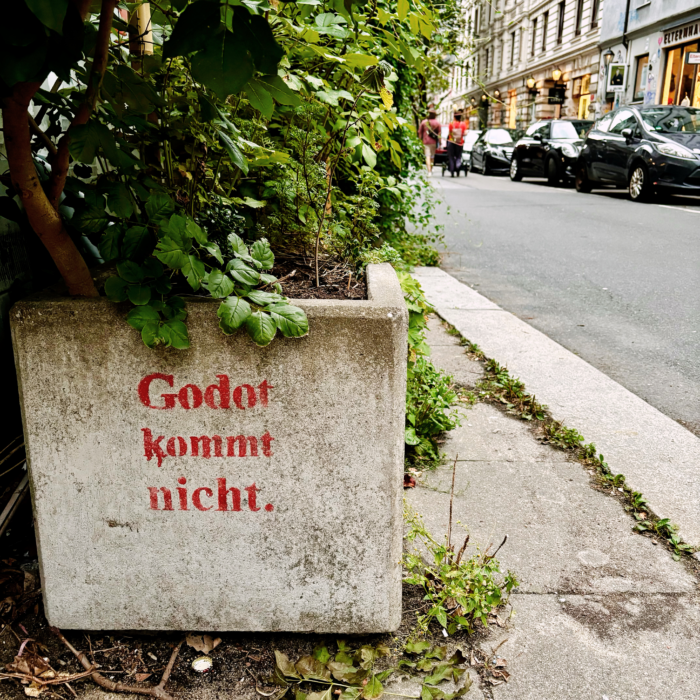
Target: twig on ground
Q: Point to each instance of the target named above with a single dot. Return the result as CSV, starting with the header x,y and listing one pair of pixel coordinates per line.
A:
x,y
157,691
282,279
491,556
452,495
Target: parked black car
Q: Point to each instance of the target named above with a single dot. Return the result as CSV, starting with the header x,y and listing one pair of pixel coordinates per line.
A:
x,y
549,149
492,151
646,149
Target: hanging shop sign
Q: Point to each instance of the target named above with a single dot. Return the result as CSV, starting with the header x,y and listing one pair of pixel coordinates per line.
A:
x,y
556,96
675,36
693,58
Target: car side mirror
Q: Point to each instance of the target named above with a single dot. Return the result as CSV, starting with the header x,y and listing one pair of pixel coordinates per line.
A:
x,y
627,133
537,137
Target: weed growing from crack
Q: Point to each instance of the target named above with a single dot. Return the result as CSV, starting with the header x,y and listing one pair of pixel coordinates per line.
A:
x,y
498,386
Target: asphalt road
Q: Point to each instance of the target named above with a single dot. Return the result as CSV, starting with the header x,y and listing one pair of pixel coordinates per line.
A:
x,y
616,282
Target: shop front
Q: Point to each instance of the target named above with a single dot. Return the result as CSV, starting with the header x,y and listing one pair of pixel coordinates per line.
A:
x,y
681,77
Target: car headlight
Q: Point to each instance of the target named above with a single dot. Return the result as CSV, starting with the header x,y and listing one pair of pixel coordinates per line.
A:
x,y
675,150
569,150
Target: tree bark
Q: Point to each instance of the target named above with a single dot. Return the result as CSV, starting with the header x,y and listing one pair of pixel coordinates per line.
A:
x,y
42,216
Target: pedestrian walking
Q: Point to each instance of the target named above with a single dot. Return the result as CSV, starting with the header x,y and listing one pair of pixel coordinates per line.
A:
x,y
455,144
429,134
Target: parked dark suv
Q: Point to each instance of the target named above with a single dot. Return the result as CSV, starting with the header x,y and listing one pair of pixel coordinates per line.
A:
x,y
646,149
549,149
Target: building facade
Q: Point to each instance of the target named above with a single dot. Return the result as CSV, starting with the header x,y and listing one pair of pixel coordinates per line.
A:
x,y
656,44
527,60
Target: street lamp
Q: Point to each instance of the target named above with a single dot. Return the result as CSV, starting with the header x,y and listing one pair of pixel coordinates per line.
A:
x,y
484,98
472,100
531,83
608,56
497,94
556,74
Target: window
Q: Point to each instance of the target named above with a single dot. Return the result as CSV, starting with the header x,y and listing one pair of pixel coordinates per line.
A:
x,y
545,27
579,16
604,123
486,67
595,8
624,119
534,37
499,137
540,129
512,48
476,22
560,22
640,81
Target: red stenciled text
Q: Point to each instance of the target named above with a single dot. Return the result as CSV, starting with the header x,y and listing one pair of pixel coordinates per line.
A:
x,y
216,396
224,498
205,446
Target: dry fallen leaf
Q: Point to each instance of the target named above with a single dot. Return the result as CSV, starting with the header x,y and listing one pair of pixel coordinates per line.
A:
x,y
32,692
203,643
409,481
140,677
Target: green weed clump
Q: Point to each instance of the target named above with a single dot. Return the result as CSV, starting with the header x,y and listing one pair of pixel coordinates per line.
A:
x,y
431,396
459,592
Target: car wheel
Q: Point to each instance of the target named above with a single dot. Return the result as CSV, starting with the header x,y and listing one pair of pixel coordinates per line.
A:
x,y
552,173
640,187
515,174
583,184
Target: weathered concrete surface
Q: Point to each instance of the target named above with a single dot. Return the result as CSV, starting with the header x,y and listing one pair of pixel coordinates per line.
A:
x,y
621,647
658,457
600,611
318,549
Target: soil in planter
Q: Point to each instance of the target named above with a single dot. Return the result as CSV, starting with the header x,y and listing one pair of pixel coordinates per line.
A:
x,y
298,278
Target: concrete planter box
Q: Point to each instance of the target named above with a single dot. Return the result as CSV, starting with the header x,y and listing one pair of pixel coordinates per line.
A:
x,y
225,487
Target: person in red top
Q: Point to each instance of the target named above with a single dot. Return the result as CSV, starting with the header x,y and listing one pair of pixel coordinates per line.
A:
x,y
429,133
455,144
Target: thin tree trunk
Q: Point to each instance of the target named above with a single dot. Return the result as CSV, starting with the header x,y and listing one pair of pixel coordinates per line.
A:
x,y
43,218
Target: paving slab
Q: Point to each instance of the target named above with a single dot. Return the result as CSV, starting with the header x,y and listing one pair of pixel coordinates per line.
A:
x,y
621,647
658,457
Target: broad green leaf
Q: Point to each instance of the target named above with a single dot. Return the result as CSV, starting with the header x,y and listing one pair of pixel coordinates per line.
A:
x,y
267,279
373,689
438,652
137,318
262,253
232,314
224,65
162,285
214,250
237,244
175,334
341,671
194,271
110,243
261,298
276,86
410,436
441,616
291,320
369,155
86,139
115,288
360,60
260,98
234,153
174,309
132,89
254,203
349,694
261,328
170,253
193,29
139,294
135,241
92,219
320,653
195,231
175,228
159,206
330,24
331,97
402,9
51,13
130,271
150,334
118,200
417,647
253,33
218,284
243,273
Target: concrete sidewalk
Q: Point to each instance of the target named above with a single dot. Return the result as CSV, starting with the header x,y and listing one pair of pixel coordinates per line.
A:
x,y
601,612
658,457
